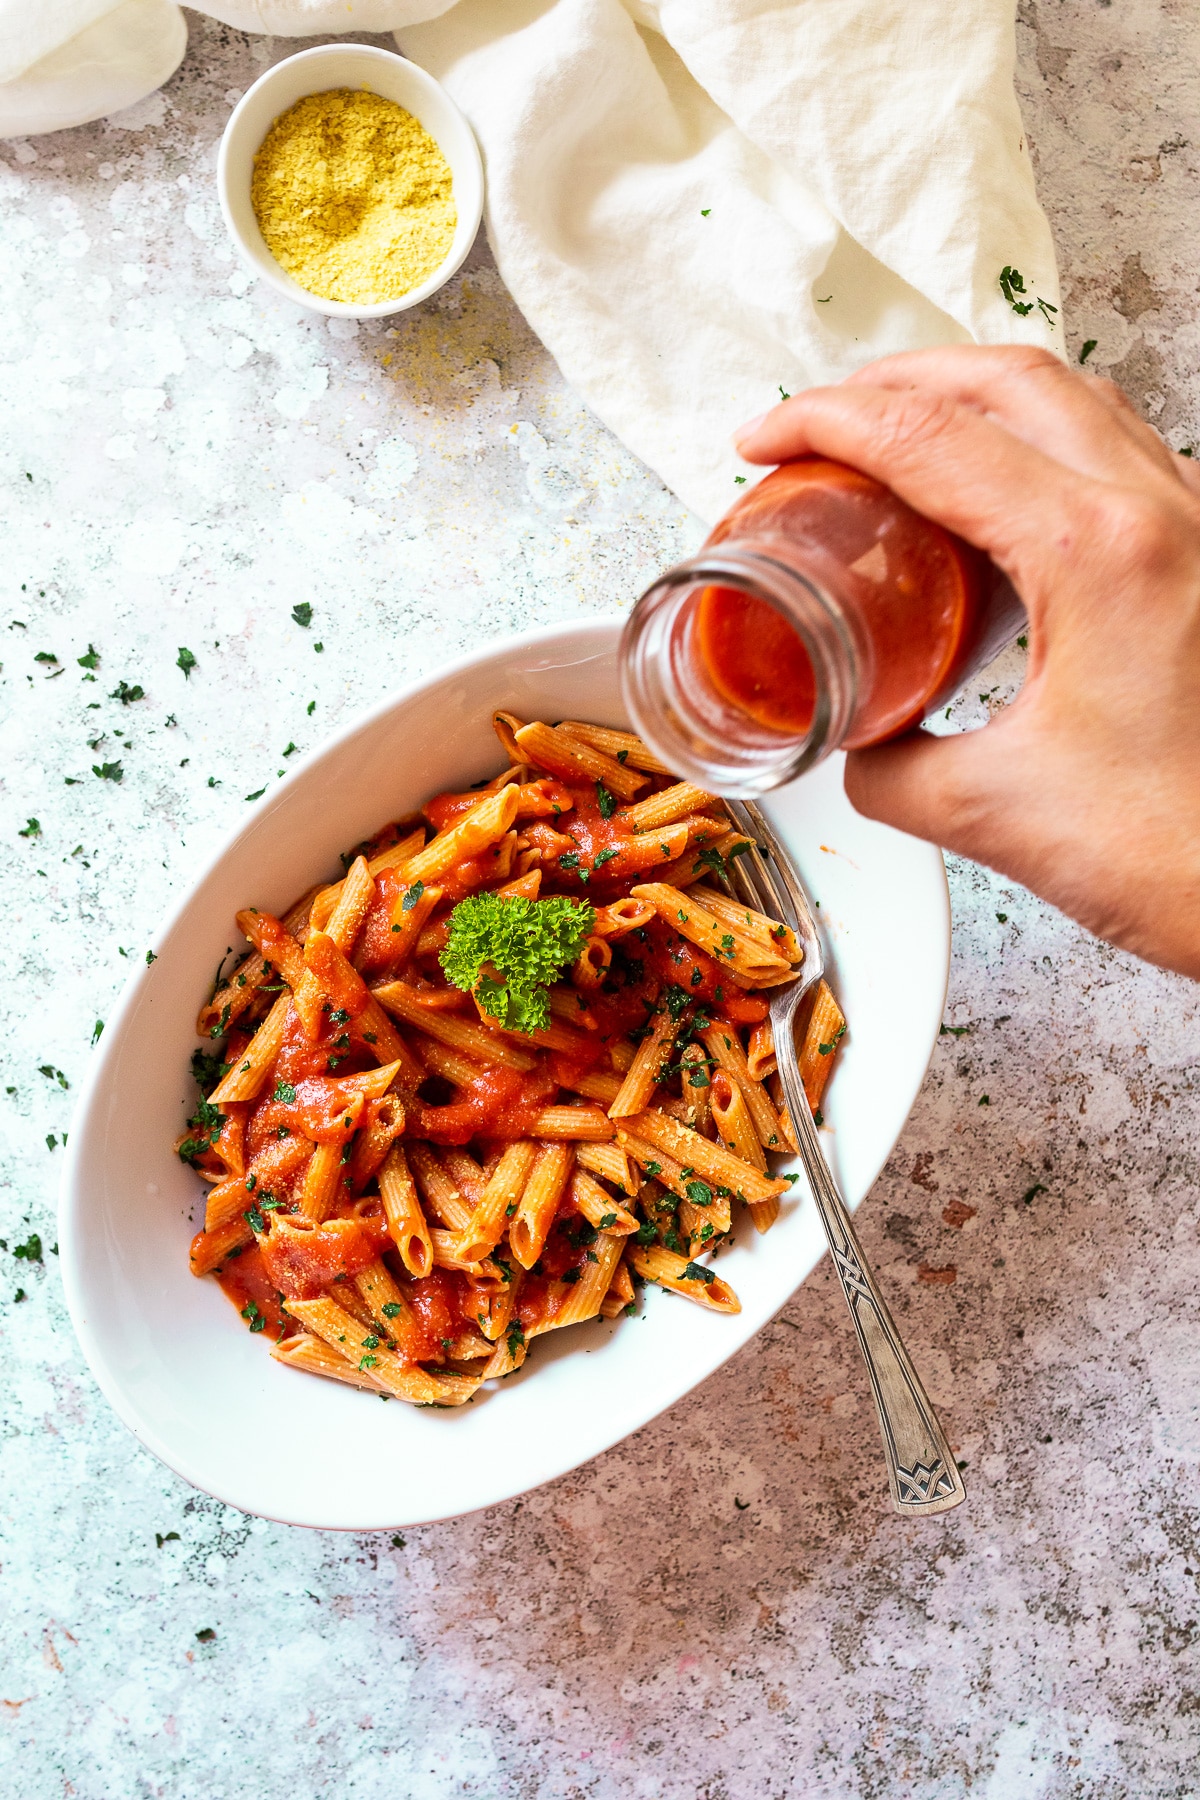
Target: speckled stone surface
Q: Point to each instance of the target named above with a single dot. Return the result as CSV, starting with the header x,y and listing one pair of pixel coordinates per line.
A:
x,y
722,1607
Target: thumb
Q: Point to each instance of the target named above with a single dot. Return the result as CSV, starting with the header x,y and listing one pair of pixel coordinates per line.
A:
x,y
931,787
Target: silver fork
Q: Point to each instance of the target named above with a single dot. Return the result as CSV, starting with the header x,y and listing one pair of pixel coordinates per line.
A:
x,y
922,1472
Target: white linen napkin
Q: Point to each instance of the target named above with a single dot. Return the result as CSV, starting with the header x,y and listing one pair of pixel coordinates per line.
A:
x,y
700,204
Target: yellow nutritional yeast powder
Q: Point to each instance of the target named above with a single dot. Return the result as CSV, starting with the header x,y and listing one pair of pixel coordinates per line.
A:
x,y
353,197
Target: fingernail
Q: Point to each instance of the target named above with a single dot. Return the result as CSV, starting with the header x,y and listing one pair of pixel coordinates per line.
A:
x,y
748,430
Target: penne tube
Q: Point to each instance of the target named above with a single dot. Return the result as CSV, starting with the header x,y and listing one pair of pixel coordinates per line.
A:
x,y
763,1213
323,1179
441,1197
487,1224
357,893
753,924
506,725
485,824
483,1273
731,1116
402,1208
226,1202
621,1053
760,1051
748,961
599,1207
824,1032
235,995
711,1162
561,754
345,1335
373,1083
510,1352
568,1004
610,1162
624,746
696,861
774,1086
402,851
538,1204
666,807
620,916
374,1029
246,1078
695,1085
585,1298
494,1301
409,915
555,1036
620,1293
465,1172
460,1034
649,1066
527,886
382,1124
579,1123
439,1059
274,942
211,1248
313,1356
725,1048
690,1279
346,1295
655,1163
330,983
385,1299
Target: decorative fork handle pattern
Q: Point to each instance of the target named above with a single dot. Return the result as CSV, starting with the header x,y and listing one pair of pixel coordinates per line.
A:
x,y
922,1472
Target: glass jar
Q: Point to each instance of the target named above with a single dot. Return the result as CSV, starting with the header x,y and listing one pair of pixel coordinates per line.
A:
x,y
822,612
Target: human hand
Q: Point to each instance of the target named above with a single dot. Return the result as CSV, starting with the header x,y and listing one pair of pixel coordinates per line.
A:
x,y
1087,788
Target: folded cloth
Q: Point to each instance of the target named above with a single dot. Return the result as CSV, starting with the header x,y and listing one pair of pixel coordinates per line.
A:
x,y
702,204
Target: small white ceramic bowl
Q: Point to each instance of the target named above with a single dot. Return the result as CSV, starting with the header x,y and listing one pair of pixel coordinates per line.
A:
x,y
315,72
171,1353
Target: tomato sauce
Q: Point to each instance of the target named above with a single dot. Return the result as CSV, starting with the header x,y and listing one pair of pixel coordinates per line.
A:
x,y
246,1281
376,945
441,1304
921,603
301,1263
498,1103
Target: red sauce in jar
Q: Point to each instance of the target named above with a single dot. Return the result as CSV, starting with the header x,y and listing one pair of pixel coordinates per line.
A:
x,y
922,603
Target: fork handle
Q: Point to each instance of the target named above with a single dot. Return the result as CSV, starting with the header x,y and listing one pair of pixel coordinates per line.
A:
x,y
922,1472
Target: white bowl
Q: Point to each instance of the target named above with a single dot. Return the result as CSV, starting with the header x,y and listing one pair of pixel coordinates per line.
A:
x,y
169,1350
314,72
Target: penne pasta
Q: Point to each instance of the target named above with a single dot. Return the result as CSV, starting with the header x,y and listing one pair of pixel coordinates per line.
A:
x,y
438,1191
711,1162
252,1068
671,804
749,961
624,746
460,1034
345,1336
725,1048
620,1293
557,751
599,1207
752,924
538,1204
649,1066
313,1356
824,1032
691,1279
608,1161
500,1198
402,1208
760,1051
426,1190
